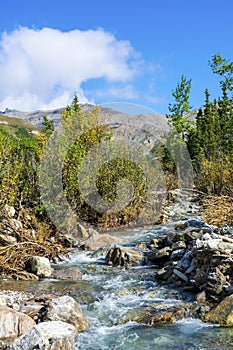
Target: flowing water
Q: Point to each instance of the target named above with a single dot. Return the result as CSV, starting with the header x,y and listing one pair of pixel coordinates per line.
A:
x,y
108,295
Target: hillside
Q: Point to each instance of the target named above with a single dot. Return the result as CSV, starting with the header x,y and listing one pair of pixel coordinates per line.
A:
x,y
142,126
15,126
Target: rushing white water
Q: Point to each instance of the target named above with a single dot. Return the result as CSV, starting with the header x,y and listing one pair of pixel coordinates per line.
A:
x,y
117,292
109,295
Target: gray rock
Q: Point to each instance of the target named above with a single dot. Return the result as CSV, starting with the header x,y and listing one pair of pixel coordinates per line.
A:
x,y
215,282
66,309
161,254
181,275
97,241
68,274
54,335
13,323
177,254
40,266
123,256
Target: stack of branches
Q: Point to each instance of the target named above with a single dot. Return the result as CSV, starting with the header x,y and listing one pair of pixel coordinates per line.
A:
x,y
218,210
33,238
14,258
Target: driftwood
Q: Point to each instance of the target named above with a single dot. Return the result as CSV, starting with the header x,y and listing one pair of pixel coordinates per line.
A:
x,y
33,238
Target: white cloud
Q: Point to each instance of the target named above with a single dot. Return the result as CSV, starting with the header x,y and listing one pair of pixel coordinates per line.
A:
x,y
43,68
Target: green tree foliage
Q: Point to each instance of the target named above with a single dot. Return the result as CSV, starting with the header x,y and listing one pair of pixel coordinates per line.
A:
x,y
181,107
80,135
19,157
48,126
224,68
211,142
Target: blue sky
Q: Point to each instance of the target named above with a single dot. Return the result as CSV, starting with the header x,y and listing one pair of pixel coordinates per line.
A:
x,y
109,51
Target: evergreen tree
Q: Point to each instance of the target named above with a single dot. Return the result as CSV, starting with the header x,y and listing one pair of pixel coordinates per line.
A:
x,y
177,118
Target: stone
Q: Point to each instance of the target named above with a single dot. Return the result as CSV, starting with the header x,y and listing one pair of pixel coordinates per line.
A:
x,y
82,232
179,245
195,223
201,297
177,254
200,276
97,241
3,301
161,254
215,282
54,335
222,314
181,275
13,323
68,274
191,234
9,211
35,310
66,309
123,256
158,316
40,266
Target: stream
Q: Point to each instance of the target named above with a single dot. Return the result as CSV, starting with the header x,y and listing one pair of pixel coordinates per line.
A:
x,y
109,294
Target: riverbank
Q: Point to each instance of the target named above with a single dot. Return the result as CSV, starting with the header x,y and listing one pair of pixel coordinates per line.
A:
x,y
189,257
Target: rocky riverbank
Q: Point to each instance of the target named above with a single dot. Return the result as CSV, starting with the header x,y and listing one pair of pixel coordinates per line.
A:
x,y
194,258
42,322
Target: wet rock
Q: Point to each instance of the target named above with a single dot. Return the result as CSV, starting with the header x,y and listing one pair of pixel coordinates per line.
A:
x,y
54,335
215,282
158,316
222,313
67,274
200,277
97,241
201,297
123,256
179,245
181,275
177,254
159,255
191,234
40,266
66,309
13,323
164,273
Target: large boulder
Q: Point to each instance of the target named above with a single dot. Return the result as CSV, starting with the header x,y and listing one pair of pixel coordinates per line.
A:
x,y
157,316
97,241
123,256
40,266
68,274
66,309
222,313
13,323
54,335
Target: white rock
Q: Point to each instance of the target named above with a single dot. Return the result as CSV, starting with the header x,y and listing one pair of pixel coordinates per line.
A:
x,y
67,309
40,266
54,335
13,323
9,210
